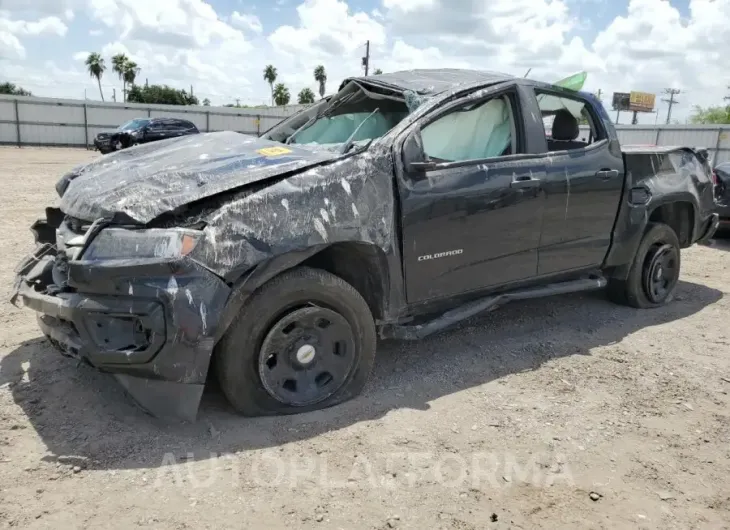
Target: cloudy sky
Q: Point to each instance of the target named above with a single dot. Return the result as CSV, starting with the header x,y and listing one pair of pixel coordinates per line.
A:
x,y
222,46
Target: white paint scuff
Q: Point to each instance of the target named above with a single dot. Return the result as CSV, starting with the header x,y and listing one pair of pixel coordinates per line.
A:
x,y
204,316
346,186
355,210
172,286
285,204
319,227
190,296
325,215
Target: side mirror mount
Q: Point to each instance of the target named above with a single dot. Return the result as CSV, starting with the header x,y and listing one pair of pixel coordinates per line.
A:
x,y
414,157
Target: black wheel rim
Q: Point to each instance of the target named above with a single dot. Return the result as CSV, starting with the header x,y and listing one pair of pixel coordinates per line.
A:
x,y
661,272
307,356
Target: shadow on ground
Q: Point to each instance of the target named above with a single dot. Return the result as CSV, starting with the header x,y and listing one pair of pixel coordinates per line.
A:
x,y
82,415
721,241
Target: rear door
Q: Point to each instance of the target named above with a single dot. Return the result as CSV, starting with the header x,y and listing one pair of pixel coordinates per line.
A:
x,y
155,130
583,183
472,219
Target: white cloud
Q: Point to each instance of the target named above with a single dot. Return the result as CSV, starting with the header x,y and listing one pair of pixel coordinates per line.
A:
x,y
179,42
327,29
247,22
178,23
10,47
47,25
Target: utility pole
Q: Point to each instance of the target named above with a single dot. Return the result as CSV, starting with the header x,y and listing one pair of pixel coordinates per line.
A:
x,y
191,90
598,94
366,59
114,94
726,98
672,92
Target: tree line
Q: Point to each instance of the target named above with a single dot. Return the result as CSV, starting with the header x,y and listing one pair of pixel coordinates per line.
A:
x,y
128,71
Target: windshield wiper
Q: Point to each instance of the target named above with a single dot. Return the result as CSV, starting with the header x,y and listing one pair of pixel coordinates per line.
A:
x,y
336,104
310,121
348,143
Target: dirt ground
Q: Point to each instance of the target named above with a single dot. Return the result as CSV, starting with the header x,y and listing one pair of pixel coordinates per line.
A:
x,y
566,412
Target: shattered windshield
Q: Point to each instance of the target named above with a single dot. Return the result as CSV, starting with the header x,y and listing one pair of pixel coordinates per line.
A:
x,y
133,124
338,129
357,113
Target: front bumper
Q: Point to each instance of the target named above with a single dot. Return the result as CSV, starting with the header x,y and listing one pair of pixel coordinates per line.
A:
x,y
153,325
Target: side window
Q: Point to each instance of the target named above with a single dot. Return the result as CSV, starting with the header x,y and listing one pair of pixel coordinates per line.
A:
x,y
568,122
474,132
154,125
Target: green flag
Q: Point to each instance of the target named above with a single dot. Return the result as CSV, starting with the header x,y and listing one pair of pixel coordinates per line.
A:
x,y
574,82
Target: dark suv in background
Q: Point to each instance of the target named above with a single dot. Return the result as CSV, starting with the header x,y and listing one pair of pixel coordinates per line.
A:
x,y
143,130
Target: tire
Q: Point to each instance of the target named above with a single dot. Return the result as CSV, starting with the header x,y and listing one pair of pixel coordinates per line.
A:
x,y
659,241
241,361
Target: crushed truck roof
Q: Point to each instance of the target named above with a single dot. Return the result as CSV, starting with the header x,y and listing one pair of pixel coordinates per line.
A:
x,y
432,81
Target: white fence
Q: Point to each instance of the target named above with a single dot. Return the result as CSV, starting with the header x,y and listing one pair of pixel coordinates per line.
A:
x,y
716,138
68,122
75,123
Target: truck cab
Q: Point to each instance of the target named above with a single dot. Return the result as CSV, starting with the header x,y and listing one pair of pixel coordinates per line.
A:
x,y
399,206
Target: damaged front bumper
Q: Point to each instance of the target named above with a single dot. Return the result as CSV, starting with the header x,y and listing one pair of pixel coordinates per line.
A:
x,y
152,325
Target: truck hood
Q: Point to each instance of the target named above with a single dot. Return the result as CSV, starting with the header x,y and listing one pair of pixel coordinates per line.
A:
x,y
145,181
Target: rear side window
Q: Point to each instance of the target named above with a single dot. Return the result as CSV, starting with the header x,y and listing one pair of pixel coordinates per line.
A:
x,y
476,131
569,122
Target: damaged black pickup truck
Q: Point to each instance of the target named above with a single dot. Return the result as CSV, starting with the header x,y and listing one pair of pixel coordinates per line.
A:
x,y
404,203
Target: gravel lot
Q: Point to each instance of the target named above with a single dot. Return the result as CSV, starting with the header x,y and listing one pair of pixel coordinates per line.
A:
x,y
567,412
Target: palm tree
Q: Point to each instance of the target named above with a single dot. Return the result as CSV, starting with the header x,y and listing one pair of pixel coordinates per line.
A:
x,y
119,64
95,66
270,75
130,73
321,77
306,96
281,94
377,71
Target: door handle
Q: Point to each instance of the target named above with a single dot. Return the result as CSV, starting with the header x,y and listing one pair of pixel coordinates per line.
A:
x,y
525,182
606,174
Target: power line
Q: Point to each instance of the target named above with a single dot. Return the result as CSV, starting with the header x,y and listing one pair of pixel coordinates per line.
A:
x,y
671,101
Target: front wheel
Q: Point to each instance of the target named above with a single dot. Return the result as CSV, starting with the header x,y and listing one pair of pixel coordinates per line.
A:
x,y
303,341
654,272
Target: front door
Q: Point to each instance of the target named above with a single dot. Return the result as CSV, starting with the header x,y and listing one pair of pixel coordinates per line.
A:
x,y
472,220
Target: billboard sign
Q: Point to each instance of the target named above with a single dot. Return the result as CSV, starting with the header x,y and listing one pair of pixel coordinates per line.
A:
x,y
621,100
641,101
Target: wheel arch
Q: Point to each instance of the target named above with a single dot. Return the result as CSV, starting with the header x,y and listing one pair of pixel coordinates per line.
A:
x,y
362,265
679,214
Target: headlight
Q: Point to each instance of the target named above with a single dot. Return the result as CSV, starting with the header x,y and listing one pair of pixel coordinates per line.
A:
x,y
121,243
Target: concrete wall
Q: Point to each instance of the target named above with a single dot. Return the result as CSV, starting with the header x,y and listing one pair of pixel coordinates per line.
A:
x,y
68,122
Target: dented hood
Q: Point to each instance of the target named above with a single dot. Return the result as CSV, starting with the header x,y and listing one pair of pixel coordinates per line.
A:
x,y
148,180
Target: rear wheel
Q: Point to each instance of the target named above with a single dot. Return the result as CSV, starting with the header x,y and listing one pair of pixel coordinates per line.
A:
x,y
303,341
654,273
